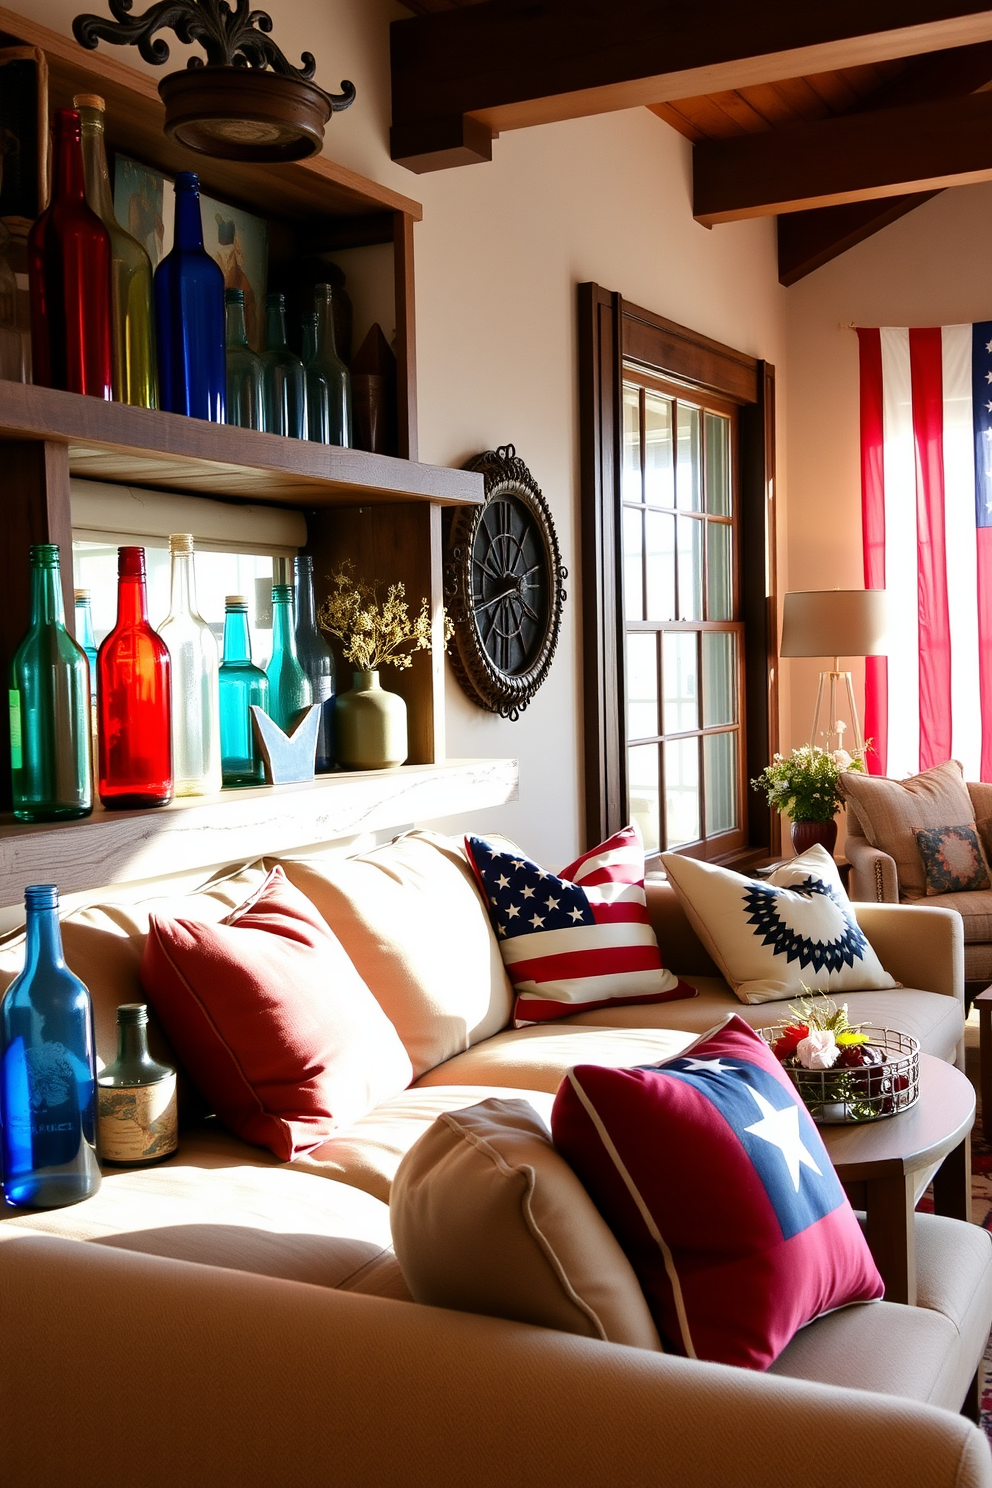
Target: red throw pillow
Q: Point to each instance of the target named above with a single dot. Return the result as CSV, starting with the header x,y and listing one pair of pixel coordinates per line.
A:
x,y
272,1020
579,940
713,1178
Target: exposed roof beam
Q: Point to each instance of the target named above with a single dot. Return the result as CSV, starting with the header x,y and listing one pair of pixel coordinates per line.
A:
x,y
857,157
808,240
513,63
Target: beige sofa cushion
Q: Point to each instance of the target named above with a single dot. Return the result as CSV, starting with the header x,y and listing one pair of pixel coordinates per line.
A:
x,y
266,1220
538,1058
486,1217
889,810
410,917
975,908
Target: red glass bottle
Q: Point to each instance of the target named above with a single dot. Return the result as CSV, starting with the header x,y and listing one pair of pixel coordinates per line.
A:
x,y
134,698
69,263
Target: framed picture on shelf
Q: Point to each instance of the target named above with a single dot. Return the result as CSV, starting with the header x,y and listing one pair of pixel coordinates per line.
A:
x,y
236,240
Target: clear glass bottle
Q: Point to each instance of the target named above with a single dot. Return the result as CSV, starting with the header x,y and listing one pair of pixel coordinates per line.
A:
x,y
241,684
133,321
85,636
134,693
284,380
244,368
195,696
289,687
47,1070
50,718
69,278
189,316
317,660
136,1098
328,379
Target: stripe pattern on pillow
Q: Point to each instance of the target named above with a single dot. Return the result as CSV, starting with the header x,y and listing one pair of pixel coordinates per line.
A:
x,y
577,940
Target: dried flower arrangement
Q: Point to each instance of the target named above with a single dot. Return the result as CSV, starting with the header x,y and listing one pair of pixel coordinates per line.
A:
x,y
374,631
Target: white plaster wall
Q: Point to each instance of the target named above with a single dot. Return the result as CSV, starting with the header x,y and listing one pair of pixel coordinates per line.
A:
x,y
499,254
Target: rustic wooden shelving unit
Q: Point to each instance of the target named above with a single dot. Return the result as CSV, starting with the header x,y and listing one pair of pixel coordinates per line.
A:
x,y
383,513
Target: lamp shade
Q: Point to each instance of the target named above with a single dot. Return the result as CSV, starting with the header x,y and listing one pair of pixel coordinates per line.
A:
x,y
834,622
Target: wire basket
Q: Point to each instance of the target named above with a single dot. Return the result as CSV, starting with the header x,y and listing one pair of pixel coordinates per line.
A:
x,y
837,1097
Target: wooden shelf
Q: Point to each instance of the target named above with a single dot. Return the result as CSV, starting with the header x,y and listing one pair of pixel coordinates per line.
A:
x,y
201,832
135,117
143,447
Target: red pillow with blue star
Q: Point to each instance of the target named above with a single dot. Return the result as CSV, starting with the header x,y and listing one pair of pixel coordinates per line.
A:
x,y
577,940
712,1176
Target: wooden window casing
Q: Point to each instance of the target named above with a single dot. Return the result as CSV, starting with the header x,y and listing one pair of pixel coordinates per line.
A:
x,y
621,342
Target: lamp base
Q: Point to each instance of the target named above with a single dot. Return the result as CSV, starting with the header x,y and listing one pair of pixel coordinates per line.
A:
x,y
832,734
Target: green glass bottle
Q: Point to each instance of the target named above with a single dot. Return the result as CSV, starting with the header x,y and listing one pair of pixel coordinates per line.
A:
x,y
328,379
134,374
136,1098
241,684
50,728
244,368
285,385
289,687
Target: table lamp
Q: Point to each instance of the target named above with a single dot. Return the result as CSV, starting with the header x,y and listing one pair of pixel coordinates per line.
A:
x,y
835,622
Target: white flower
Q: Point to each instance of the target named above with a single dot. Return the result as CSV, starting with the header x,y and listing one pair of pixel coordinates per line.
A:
x,y
818,1050
843,758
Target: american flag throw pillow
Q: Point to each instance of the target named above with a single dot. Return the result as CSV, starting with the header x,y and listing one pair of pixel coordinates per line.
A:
x,y
577,940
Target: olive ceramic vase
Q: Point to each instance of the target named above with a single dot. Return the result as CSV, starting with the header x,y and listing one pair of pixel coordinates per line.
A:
x,y
371,725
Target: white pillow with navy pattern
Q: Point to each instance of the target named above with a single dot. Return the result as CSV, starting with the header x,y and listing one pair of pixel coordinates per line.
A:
x,y
771,942
798,873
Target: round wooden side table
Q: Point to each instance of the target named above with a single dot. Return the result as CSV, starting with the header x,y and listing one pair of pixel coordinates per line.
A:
x,y
885,1166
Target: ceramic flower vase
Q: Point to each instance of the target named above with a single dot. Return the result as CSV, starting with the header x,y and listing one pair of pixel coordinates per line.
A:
x,y
371,725
806,833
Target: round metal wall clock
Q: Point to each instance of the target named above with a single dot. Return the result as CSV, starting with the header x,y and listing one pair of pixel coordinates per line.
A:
x,y
504,587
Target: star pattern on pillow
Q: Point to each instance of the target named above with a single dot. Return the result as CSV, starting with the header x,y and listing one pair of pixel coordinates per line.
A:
x,y
822,955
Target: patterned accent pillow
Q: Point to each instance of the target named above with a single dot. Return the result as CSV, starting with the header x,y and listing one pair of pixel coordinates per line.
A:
x,y
814,863
712,1176
577,940
952,859
771,942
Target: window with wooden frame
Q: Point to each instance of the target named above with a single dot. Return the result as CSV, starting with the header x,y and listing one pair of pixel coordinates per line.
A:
x,y
678,565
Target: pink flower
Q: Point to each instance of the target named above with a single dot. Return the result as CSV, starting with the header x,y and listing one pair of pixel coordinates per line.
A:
x,y
818,1050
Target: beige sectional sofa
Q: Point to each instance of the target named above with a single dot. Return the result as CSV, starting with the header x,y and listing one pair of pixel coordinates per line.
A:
x,y
237,1320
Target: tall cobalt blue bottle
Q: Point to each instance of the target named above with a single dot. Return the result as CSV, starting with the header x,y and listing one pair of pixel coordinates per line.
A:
x,y
47,1071
189,316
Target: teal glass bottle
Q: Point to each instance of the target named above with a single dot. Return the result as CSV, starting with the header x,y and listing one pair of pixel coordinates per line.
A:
x,y
50,718
85,635
47,1070
284,380
244,368
289,687
328,379
317,660
241,684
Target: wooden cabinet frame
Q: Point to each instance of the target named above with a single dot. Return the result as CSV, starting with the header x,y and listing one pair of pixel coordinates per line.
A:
x,y
612,333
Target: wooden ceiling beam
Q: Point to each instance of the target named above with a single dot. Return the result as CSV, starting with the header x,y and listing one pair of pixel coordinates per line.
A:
x,y
508,64
808,240
855,157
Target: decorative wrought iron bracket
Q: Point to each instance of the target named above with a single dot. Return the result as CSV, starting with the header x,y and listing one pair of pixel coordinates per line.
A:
x,y
235,37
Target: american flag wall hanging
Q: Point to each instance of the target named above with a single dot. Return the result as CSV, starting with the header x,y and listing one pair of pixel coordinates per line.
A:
x,y
926,490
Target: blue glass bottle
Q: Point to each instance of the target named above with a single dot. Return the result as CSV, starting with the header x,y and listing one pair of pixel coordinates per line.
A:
x,y
241,684
289,687
189,316
317,661
47,1070
284,378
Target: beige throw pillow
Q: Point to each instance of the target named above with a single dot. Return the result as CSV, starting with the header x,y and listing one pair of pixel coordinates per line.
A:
x,y
815,862
890,810
411,918
487,1217
771,943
